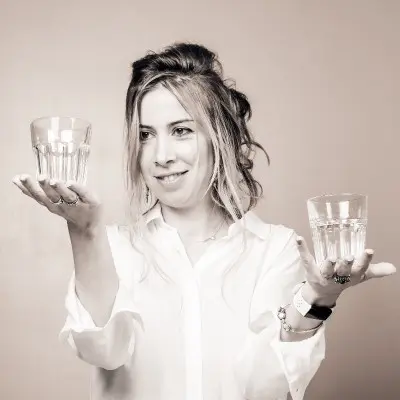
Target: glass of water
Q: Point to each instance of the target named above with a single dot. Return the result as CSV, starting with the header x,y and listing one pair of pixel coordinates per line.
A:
x,y
61,146
338,225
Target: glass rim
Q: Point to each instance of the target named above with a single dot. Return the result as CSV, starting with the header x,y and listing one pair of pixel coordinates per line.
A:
x,y
82,121
350,197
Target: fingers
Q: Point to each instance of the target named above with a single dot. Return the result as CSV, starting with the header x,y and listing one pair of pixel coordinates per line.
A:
x,y
47,192
364,269
343,266
328,268
84,194
29,187
379,270
17,182
52,194
305,255
61,189
362,263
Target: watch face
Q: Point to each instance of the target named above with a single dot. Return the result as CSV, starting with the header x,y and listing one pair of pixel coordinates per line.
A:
x,y
321,313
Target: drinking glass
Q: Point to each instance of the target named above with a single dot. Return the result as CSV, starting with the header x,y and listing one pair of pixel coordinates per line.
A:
x,y
62,147
338,225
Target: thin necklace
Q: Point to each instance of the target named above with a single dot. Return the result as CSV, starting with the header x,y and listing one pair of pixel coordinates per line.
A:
x,y
212,237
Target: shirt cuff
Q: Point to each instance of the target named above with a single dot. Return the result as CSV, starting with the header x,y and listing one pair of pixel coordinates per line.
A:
x,y
79,320
299,360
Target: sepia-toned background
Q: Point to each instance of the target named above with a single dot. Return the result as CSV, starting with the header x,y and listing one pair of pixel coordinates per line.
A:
x,y
323,80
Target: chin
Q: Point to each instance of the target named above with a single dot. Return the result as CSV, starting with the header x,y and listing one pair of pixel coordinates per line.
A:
x,y
172,202
177,200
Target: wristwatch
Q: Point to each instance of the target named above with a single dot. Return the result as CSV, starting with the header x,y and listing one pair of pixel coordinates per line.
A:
x,y
309,310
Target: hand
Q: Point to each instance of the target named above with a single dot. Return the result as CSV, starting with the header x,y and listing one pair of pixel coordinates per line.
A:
x,y
322,289
84,216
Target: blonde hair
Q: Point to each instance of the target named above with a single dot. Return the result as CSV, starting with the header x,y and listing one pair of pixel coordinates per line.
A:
x,y
194,75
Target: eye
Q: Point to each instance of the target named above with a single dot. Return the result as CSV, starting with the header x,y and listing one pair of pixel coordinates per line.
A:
x,y
144,135
182,131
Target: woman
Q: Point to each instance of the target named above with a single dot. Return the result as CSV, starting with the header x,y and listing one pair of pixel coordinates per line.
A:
x,y
196,298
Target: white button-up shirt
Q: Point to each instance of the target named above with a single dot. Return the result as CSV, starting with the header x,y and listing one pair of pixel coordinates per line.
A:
x,y
186,340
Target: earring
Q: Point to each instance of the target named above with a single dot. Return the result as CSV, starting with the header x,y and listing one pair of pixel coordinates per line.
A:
x,y
147,194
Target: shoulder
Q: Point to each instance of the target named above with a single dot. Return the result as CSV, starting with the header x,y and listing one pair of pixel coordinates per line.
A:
x,y
283,236
281,264
279,234
278,240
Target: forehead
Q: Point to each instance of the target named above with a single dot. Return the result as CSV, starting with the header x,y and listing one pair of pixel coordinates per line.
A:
x,y
159,107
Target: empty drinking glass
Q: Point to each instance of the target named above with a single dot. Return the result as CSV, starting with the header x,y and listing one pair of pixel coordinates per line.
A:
x,y
61,146
338,224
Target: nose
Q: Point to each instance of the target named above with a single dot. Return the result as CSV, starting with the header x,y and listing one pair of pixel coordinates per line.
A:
x,y
165,152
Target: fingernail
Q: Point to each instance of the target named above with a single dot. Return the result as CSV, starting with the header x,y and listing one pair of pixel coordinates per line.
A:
x,y
332,260
23,178
349,259
369,252
15,179
299,240
52,182
42,178
69,183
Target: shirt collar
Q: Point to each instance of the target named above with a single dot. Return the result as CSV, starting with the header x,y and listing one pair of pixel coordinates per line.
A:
x,y
154,214
253,223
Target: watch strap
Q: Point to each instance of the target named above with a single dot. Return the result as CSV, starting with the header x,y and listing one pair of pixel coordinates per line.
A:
x,y
309,310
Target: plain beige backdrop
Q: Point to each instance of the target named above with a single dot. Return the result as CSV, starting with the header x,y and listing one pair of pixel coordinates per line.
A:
x,y
323,80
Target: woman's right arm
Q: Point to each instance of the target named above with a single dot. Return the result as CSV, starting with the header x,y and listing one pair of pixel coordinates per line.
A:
x,y
100,320
96,280
99,301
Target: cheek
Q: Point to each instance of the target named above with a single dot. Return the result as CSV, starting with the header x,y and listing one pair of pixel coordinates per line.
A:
x,y
145,160
187,152
206,155
199,148
206,163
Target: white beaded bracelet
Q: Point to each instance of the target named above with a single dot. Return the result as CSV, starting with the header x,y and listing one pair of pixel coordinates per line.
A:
x,y
287,327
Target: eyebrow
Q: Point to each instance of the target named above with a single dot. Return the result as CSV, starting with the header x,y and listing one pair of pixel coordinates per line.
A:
x,y
169,125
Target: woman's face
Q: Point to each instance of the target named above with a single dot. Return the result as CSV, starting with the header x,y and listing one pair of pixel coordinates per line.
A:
x,y
170,145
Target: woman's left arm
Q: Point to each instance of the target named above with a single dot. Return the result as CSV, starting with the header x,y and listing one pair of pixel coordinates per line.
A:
x,y
321,289
274,362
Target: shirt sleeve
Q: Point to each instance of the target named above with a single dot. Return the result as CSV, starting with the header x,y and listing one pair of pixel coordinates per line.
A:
x,y
111,345
268,368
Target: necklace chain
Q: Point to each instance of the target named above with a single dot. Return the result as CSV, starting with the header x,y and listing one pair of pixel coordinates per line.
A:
x,y
212,237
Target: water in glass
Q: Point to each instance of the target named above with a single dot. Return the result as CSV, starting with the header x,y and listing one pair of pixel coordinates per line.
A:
x,y
338,225
61,146
338,238
62,161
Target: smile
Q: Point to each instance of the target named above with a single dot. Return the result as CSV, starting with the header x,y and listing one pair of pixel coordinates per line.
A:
x,y
169,179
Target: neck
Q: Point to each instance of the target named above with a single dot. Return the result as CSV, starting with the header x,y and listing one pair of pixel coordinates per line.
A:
x,y
195,222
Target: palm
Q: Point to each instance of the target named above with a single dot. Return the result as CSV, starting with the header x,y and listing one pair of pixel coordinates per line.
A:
x,y
85,214
320,278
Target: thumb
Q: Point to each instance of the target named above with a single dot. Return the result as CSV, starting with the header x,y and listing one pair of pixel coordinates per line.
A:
x,y
380,270
305,254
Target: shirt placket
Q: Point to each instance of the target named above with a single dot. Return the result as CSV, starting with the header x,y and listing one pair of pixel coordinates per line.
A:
x,y
192,315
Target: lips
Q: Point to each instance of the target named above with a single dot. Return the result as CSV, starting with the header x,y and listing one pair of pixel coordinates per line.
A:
x,y
173,175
